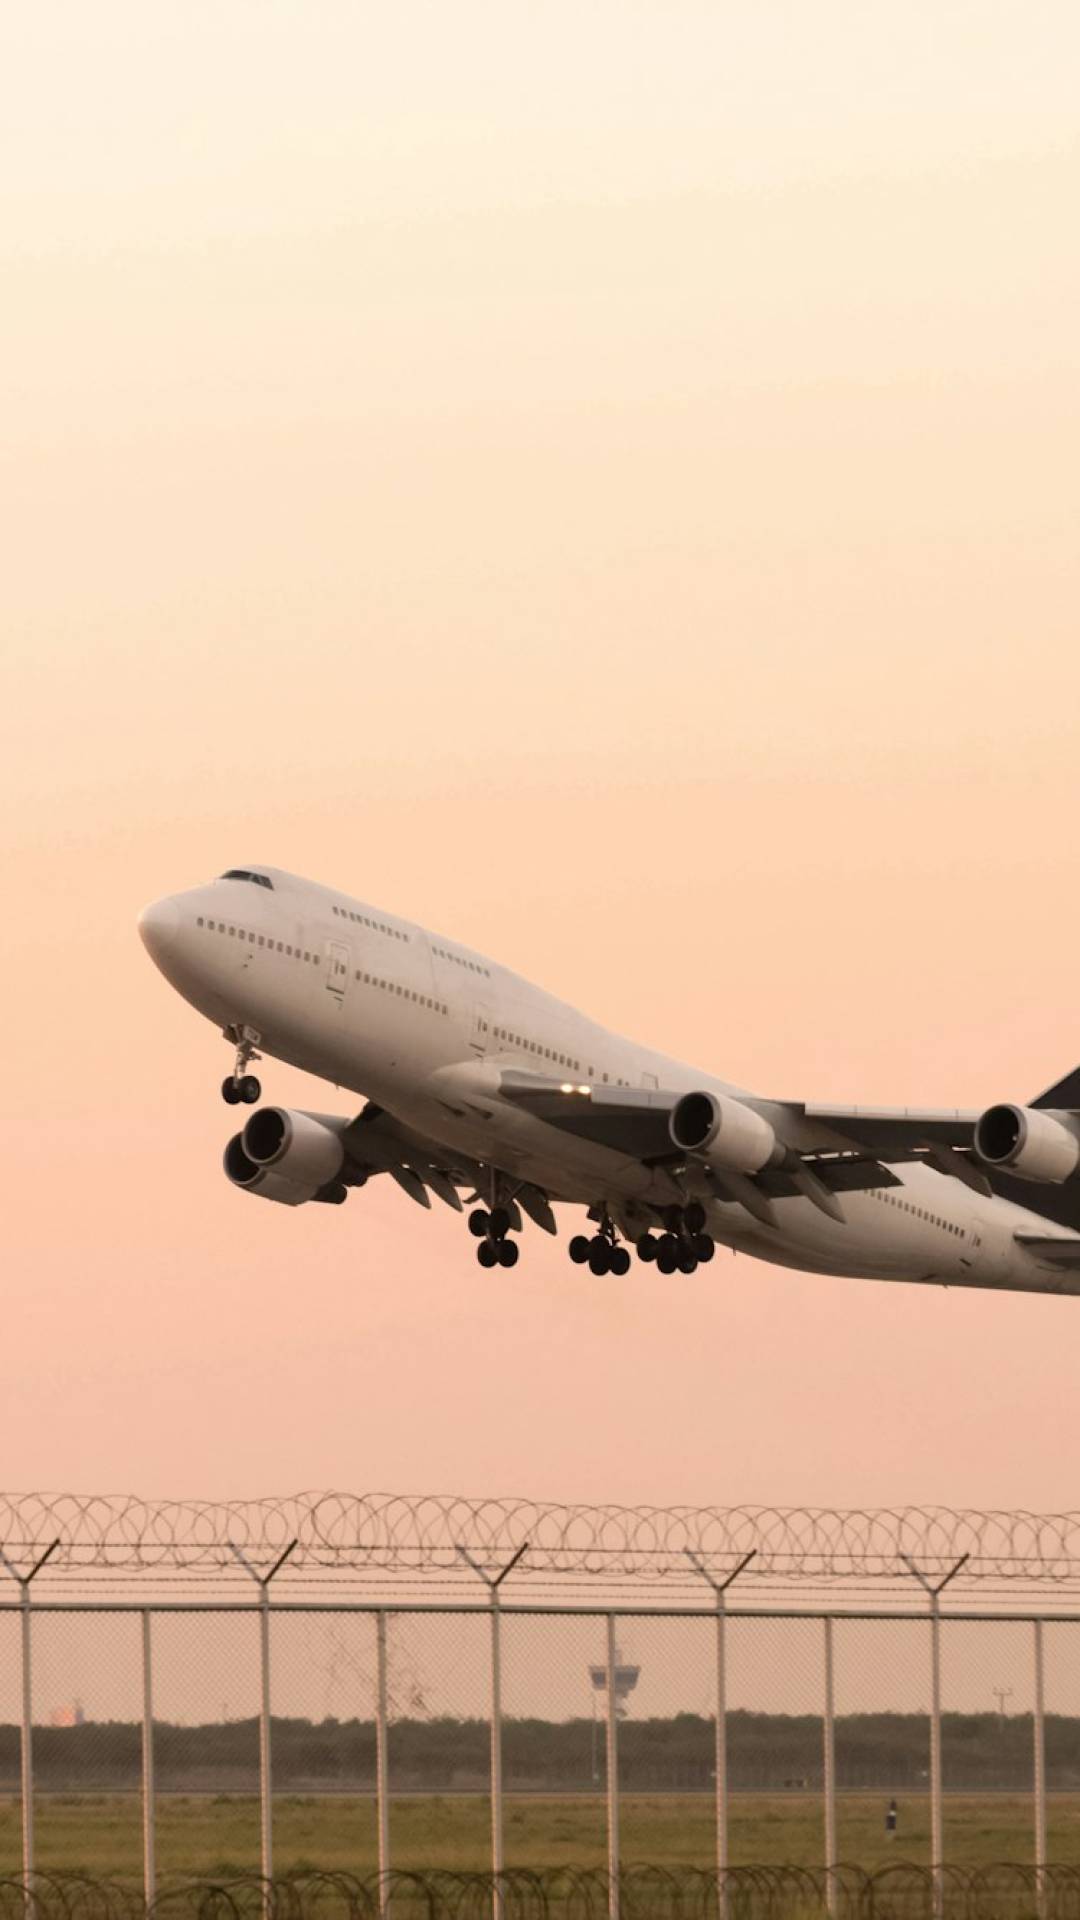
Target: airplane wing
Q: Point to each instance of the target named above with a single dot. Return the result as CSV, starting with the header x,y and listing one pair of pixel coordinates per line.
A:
x,y
843,1148
635,1121
377,1143
629,1120
890,1129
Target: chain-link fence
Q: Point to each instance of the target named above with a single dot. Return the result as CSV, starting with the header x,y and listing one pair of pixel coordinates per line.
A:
x,y
175,1741
443,1737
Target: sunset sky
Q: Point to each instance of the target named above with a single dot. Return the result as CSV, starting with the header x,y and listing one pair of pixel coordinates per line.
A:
x,y
600,480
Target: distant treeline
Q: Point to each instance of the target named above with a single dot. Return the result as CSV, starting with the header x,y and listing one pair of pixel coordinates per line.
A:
x,y
875,1752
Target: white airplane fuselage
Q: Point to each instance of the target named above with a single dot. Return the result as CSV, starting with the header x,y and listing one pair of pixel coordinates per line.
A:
x,y
408,1020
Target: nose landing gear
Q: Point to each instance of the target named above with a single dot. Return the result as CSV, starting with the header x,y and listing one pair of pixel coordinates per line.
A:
x,y
241,1088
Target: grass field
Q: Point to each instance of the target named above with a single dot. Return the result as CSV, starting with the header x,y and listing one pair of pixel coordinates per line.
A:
x,y
203,1835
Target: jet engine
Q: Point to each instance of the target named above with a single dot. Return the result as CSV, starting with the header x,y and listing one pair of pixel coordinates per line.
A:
x,y
289,1156
1030,1143
724,1132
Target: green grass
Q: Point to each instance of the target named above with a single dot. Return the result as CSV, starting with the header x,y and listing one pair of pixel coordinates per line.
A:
x,y
214,1835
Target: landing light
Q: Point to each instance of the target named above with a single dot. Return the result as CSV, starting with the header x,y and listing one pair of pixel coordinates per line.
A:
x,y
569,1087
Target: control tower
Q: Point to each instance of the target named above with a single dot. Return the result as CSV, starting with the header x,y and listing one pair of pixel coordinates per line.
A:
x,y
625,1680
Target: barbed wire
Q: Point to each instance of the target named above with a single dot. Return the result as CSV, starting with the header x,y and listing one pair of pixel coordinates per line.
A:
x,y
904,1890
413,1534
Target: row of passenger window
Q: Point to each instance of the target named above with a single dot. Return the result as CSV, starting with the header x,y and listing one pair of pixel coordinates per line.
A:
x,y
459,960
260,940
920,1213
533,1046
364,920
403,993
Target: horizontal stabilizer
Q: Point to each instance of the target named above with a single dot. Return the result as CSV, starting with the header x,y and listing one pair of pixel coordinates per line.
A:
x,y
1051,1247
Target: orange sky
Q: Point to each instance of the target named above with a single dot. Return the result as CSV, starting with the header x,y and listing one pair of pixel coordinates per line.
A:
x,y
601,481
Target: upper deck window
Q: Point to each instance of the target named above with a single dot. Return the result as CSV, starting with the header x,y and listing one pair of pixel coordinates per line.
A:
x,y
259,879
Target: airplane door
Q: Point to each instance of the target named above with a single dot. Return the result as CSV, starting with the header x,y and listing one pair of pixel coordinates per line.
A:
x,y
481,1027
337,968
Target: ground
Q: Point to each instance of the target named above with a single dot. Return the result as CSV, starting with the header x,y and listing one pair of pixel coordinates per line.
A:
x,y
102,1835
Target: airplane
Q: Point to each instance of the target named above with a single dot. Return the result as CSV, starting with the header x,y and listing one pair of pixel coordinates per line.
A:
x,y
477,1083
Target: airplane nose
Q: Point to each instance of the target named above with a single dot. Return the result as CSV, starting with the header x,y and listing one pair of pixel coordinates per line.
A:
x,y
158,927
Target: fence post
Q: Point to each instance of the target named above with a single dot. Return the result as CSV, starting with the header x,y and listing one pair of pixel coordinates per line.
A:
x,y
149,1802
382,1769
612,1772
493,1586
937,1832
266,1783
1040,1768
829,1729
720,1588
26,1740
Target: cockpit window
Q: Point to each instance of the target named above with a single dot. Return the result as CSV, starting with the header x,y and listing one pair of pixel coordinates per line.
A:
x,y
259,879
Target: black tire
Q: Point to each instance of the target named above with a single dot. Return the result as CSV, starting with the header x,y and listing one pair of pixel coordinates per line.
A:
x,y
666,1261
704,1247
619,1261
599,1257
646,1248
668,1244
498,1223
478,1223
694,1217
508,1251
579,1249
250,1090
486,1254
687,1261
230,1092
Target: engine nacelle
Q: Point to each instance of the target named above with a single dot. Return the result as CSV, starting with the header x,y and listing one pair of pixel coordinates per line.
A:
x,y
1031,1143
723,1132
289,1156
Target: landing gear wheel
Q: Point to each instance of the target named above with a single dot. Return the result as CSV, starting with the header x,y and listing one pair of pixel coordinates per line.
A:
x,y
687,1261
619,1261
241,1087
694,1217
599,1256
478,1223
704,1246
499,1223
666,1259
667,1248
579,1249
507,1253
487,1254
646,1248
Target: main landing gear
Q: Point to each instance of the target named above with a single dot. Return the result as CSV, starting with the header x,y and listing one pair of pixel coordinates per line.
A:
x,y
602,1254
684,1244
241,1088
492,1230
